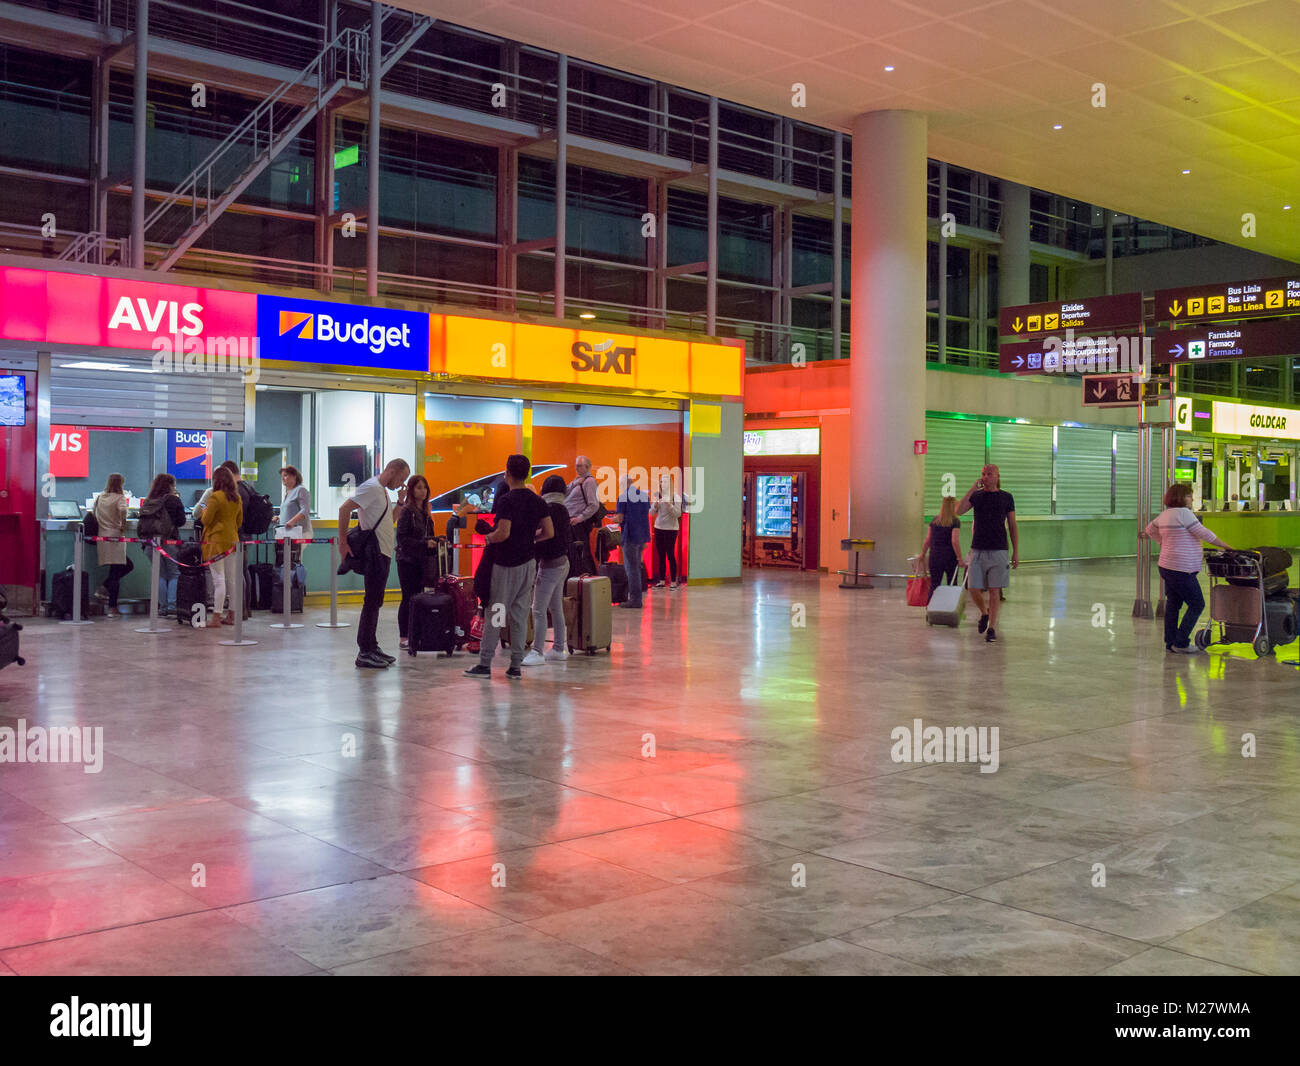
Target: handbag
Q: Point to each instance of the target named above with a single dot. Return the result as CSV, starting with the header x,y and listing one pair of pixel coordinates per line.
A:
x,y
918,591
361,543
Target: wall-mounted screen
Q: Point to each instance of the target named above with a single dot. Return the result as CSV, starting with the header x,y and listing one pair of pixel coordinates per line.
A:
x,y
349,459
13,400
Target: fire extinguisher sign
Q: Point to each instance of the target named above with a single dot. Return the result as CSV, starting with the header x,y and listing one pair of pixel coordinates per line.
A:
x,y
918,447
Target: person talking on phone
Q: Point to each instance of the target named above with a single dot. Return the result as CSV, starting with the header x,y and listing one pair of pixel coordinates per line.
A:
x,y
987,564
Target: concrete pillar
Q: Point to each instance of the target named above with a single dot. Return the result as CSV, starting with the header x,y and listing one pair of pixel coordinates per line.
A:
x,y
372,153
887,309
1013,257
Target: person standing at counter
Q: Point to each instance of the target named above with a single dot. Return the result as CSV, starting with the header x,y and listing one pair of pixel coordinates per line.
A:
x,y
667,514
110,512
1179,533
374,513
583,504
222,517
295,509
634,515
414,538
162,515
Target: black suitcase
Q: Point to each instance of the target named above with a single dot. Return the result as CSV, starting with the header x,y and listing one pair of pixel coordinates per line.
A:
x,y
617,581
61,594
432,624
299,580
191,582
1275,561
8,638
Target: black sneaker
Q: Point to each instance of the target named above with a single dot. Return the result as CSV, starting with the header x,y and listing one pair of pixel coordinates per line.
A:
x,y
370,661
478,670
984,622
990,636
630,605
514,673
379,653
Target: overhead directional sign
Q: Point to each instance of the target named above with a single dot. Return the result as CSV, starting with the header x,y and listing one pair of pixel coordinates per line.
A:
x,y
1083,316
1229,299
1076,355
1225,341
1110,390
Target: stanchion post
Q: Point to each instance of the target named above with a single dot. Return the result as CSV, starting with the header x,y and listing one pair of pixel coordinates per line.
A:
x,y
286,587
334,622
154,564
78,568
238,600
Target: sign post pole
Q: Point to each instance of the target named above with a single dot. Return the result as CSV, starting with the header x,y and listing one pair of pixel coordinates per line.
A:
x,y
1142,599
153,626
238,600
286,587
334,622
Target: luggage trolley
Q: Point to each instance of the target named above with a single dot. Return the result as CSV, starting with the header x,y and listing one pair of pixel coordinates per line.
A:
x,y
1241,606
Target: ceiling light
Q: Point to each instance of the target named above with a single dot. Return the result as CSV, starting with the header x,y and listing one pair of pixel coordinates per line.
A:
x,y
1057,126
888,69
91,364
1286,207
587,314
1186,171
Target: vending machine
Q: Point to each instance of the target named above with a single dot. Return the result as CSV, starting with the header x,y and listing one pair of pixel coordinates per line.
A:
x,y
774,519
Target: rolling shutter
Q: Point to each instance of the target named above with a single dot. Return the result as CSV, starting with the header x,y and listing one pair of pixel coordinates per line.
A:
x,y
1083,465
955,447
123,390
1023,456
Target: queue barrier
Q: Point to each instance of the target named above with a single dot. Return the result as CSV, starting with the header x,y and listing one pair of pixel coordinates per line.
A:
x,y
237,596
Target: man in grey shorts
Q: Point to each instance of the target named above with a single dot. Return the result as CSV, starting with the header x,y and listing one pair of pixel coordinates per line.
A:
x,y
988,566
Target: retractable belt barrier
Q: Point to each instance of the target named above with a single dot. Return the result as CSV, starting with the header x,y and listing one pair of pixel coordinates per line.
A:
x,y
236,596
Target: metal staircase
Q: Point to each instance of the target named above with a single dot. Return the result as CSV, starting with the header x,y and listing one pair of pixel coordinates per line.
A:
x,y
185,214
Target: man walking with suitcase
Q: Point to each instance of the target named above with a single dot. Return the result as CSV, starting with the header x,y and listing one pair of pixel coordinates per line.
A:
x,y
987,563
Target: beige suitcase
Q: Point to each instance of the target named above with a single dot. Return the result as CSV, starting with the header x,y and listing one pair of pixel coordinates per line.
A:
x,y
594,628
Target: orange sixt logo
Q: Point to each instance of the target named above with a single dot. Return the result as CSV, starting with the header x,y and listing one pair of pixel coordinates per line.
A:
x,y
602,358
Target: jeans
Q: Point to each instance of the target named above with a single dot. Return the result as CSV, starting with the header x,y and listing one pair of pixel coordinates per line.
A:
x,y
666,548
376,578
168,572
548,595
1181,589
632,567
113,583
410,575
224,579
512,588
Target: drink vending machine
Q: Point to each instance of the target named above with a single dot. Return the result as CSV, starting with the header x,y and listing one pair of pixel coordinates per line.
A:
x,y
773,520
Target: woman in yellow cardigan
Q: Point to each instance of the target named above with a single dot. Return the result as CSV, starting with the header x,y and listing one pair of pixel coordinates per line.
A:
x,y
221,518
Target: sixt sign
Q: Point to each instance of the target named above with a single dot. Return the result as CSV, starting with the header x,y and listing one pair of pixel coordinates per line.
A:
x,y
602,358
338,334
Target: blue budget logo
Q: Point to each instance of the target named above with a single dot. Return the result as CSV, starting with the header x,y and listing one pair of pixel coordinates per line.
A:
x,y
338,334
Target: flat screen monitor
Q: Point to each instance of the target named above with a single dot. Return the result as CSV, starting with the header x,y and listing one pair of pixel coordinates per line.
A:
x,y
13,400
347,459
65,511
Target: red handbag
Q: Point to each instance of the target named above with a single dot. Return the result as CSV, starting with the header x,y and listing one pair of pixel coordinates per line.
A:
x,y
918,591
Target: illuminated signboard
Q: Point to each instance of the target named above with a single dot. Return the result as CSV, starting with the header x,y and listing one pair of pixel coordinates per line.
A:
x,y
1230,299
1225,341
783,441
1249,420
1089,314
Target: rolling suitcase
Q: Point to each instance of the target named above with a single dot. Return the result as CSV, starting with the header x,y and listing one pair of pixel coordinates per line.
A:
x,y
947,604
61,594
437,564
617,578
8,637
432,625
461,591
299,579
594,626
191,582
259,584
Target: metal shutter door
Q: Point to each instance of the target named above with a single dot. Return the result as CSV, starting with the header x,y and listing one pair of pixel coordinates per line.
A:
x,y
1083,466
1023,456
955,446
1126,474
138,397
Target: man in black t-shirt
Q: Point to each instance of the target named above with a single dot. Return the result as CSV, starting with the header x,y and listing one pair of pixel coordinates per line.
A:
x,y
987,563
522,519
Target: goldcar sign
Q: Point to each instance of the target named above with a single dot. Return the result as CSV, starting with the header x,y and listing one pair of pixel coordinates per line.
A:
x,y
1248,420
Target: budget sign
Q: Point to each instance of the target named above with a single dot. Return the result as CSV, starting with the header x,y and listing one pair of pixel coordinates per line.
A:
x,y
189,454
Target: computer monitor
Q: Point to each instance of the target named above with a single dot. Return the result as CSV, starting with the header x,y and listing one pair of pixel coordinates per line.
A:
x,y
65,511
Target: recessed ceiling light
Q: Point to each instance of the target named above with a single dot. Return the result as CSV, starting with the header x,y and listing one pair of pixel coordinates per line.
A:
x,y
1057,126
888,69
1286,207
587,314
1186,171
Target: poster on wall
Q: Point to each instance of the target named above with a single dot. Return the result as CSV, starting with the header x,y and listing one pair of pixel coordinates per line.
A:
x,y
69,451
189,454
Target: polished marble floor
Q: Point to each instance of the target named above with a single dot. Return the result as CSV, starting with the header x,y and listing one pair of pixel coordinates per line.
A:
x,y
718,795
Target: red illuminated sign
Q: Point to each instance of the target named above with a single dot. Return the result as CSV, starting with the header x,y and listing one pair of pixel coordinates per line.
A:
x,y
40,305
69,451
918,447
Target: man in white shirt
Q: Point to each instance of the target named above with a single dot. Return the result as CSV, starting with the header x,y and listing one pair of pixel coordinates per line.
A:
x,y
374,511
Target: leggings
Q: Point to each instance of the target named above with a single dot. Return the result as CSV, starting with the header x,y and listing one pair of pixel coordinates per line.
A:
x,y
666,548
942,570
113,583
223,582
410,575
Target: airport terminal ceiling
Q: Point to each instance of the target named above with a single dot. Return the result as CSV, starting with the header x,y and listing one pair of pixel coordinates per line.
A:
x,y
1201,122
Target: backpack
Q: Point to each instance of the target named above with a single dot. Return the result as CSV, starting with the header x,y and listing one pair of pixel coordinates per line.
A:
x,y
154,519
602,512
90,524
257,511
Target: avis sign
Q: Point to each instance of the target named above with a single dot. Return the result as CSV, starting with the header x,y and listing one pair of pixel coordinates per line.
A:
x,y
69,451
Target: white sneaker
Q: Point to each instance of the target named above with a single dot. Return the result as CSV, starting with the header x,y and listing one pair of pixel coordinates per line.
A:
x,y
534,658
556,655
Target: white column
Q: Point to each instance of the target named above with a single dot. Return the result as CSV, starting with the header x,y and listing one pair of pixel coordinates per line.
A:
x,y
1013,256
887,365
